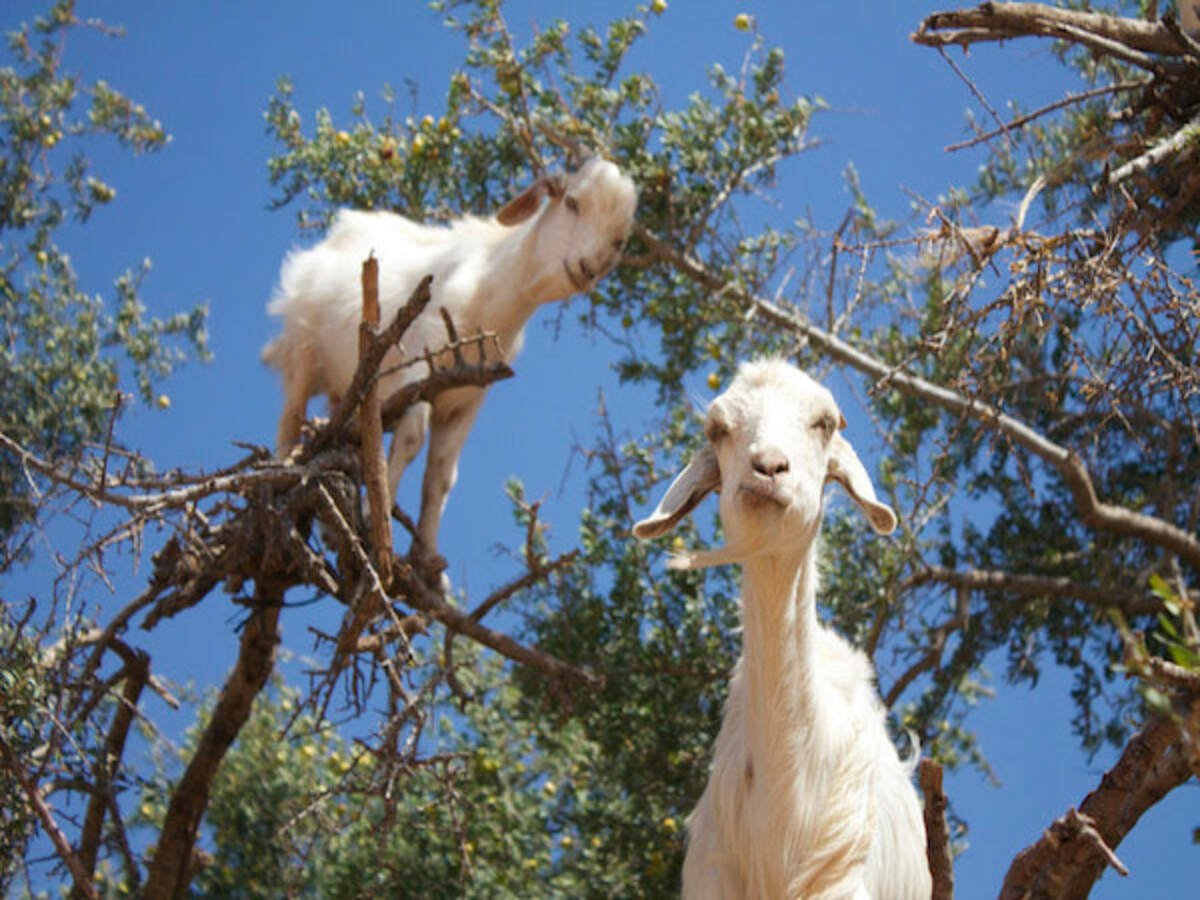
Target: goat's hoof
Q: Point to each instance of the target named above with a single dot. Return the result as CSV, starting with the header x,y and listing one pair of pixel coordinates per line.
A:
x,y
432,569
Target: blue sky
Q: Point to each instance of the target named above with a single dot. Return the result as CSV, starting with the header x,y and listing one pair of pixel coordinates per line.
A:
x,y
199,210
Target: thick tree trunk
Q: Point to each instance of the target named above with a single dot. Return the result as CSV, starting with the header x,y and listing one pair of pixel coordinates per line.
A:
x,y
171,869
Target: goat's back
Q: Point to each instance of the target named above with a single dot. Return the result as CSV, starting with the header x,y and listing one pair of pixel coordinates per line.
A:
x,y
320,295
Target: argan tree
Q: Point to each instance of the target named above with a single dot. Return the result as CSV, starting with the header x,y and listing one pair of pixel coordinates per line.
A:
x,y
1037,370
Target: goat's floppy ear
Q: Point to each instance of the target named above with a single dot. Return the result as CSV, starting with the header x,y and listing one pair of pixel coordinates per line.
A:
x,y
526,203
846,469
701,476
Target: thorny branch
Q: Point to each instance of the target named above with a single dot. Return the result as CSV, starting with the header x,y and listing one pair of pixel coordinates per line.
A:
x,y
1161,147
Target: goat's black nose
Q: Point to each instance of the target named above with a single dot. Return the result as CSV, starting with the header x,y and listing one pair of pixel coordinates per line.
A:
x,y
769,462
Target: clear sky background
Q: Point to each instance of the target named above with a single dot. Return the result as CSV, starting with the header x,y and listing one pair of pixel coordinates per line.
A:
x,y
199,210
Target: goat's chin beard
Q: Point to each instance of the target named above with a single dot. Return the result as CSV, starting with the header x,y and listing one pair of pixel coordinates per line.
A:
x,y
717,556
784,538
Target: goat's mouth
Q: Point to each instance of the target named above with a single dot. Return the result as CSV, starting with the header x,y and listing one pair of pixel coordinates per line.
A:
x,y
582,280
759,495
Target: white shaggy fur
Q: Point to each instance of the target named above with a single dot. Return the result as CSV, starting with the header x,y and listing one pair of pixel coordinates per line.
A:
x,y
490,275
807,797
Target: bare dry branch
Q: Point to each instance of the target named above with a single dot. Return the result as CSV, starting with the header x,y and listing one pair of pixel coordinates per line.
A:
x,y
1069,100
1004,21
369,363
442,379
430,602
374,462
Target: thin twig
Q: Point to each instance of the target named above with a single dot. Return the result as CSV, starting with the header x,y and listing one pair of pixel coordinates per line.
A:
x,y
978,94
1022,121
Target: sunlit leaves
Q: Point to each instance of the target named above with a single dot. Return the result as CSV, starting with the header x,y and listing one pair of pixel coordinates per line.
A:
x,y
66,353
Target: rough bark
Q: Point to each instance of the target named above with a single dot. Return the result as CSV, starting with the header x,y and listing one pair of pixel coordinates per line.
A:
x,y
171,867
1071,855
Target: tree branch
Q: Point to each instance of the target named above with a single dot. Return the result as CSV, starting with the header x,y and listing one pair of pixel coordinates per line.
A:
x,y
368,364
1156,155
1003,21
1065,863
1022,121
1058,587
429,602
108,761
374,463
81,876
442,379
937,833
170,868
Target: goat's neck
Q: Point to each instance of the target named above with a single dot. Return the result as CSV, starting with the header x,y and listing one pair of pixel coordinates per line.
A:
x,y
513,271
778,654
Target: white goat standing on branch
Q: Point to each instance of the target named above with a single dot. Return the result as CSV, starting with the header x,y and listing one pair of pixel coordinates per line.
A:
x,y
807,797
490,275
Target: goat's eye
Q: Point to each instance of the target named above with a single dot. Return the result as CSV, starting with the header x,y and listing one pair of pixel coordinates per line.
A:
x,y
618,245
571,203
827,425
715,431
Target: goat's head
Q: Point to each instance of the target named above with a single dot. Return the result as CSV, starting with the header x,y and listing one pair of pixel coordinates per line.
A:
x,y
773,442
584,226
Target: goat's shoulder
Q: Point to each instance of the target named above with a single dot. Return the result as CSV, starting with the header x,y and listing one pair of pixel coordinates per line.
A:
x,y
846,669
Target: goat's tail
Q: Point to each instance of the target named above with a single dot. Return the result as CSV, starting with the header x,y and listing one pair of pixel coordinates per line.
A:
x,y
274,352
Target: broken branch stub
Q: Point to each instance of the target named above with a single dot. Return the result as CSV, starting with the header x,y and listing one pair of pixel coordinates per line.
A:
x,y
374,462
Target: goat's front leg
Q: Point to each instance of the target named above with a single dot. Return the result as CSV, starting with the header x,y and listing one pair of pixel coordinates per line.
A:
x,y
447,434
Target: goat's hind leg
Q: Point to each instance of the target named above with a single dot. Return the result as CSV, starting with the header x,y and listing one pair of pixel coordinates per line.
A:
x,y
407,439
299,371
408,436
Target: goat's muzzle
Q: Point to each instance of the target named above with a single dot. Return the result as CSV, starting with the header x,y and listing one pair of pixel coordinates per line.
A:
x,y
759,492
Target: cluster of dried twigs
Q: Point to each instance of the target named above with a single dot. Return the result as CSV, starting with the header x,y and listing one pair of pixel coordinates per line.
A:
x,y
1158,173
260,528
